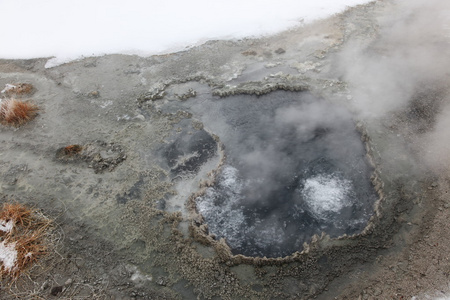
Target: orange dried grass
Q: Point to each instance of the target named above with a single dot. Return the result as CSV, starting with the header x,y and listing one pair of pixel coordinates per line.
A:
x,y
28,237
18,213
15,112
72,149
29,246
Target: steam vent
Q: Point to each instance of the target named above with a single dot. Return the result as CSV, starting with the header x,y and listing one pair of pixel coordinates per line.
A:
x,y
295,166
309,164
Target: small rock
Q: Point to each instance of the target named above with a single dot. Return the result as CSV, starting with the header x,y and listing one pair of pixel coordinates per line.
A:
x,y
279,74
249,52
91,64
140,117
280,51
319,54
45,285
162,281
94,94
270,65
56,290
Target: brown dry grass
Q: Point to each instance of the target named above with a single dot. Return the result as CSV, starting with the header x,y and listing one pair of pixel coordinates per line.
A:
x,y
16,112
72,149
15,212
28,234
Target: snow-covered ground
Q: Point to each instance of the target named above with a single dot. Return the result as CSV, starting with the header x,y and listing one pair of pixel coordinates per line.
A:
x,y
70,29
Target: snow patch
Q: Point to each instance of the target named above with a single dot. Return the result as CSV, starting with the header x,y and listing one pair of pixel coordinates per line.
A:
x,y
8,87
68,30
8,255
6,226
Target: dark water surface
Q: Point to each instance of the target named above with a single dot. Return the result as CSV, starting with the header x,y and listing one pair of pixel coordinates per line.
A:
x,y
295,167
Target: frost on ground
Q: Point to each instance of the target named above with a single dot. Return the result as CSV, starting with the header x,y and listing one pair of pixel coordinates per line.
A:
x,y
8,255
8,87
6,226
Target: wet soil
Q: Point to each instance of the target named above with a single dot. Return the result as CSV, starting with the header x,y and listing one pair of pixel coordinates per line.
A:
x,y
127,227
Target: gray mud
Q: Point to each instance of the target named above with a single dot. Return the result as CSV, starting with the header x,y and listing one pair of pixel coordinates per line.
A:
x,y
125,205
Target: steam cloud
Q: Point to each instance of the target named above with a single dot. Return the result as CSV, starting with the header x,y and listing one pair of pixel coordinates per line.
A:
x,y
407,68
300,148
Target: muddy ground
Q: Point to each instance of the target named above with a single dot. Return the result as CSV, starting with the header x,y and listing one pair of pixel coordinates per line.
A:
x,y
124,224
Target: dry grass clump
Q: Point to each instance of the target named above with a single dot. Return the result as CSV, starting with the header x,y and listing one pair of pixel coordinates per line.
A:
x,y
23,235
18,89
16,112
72,150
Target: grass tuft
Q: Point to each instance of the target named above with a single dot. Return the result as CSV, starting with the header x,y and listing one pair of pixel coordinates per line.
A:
x,y
15,112
17,213
22,243
72,150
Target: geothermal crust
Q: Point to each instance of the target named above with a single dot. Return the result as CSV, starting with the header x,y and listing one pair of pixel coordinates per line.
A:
x,y
124,145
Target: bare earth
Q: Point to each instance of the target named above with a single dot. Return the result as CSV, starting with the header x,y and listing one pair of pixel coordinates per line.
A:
x,y
125,227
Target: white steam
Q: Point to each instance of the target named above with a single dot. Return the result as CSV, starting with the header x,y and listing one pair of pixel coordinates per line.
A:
x,y
413,48
407,62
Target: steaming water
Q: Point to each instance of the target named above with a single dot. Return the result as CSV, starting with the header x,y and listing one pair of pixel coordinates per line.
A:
x,y
320,202
222,204
326,194
295,167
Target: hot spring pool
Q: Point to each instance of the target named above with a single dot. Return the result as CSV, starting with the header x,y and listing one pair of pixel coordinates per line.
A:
x,y
296,166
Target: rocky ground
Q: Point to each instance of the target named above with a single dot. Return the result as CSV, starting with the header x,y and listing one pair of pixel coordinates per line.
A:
x,y
122,196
